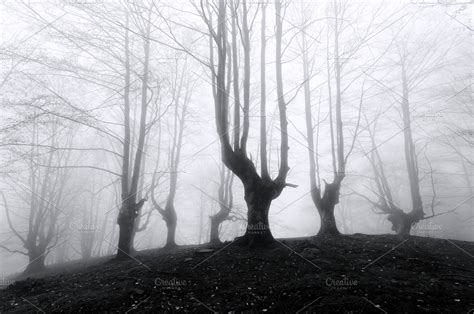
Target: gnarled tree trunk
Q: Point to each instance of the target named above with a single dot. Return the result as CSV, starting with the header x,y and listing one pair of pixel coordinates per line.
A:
x,y
326,201
259,190
328,221
326,205
401,221
258,199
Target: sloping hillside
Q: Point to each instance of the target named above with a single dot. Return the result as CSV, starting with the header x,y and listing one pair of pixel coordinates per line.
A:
x,y
357,273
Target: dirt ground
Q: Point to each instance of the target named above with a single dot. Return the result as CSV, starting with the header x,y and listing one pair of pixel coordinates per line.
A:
x,y
344,274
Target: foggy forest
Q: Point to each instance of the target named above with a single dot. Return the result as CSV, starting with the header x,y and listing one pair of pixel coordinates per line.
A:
x,y
193,156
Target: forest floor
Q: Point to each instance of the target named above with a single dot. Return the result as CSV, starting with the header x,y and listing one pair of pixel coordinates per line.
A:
x,y
344,274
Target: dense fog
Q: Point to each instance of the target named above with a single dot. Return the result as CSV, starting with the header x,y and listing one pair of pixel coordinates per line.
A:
x,y
103,102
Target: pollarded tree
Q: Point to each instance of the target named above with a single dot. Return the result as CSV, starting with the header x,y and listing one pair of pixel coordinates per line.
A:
x,y
341,51
259,189
131,206
401,221
417,58
181,91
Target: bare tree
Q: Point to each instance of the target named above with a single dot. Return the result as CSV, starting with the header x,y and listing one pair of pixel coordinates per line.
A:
x,y
417,58
130,178
402,221
326,199
259,190
110,44
143,217
44,194
181,93
226,200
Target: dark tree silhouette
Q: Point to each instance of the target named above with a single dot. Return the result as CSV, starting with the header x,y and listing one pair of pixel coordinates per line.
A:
x,y
130,177
326,199
259,190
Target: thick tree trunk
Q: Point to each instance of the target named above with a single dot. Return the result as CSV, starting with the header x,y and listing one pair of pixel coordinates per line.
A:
x,y
258,232
36,262
402,222
170,238
215,223
326,205
328,221
259,190
125,221
171,220
125,239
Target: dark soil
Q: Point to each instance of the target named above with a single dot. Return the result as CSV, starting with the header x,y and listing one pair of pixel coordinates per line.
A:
x,y
344,274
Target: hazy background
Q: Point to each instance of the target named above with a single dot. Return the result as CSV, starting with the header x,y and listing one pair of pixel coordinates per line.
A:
x,y
43,51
